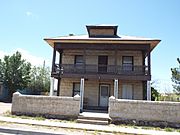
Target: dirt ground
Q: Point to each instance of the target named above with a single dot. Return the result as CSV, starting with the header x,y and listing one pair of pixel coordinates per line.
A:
x,y
57,130
4,107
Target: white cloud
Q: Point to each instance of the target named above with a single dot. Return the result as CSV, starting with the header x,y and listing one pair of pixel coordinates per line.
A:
x,y
29,13
2,54
34,60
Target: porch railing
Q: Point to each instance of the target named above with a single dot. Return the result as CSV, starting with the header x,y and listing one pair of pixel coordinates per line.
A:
x,y
100,69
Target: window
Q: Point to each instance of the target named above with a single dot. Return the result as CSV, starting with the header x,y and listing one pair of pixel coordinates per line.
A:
x,y
79,64
127,63
76,89
1,89
102,64
104,90
127,91
79,60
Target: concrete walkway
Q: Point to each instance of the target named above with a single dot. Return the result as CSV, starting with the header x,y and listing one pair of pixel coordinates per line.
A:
x,y
108,128
4,107
94,114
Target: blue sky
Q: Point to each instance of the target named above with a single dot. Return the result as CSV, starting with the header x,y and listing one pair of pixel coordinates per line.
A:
x,y
25,23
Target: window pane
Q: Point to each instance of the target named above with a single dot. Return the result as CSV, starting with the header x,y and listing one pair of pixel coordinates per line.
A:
x,y
76,86
78,59
127,60
1,89
76,89
104,91
128,63
127,91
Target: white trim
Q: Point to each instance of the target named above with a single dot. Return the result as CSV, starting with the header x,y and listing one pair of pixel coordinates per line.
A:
x,y
52,87
81,93
148,90
116,88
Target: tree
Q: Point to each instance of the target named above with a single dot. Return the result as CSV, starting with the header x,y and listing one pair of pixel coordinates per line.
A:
x,y
176,77
40,79
154,94
15,72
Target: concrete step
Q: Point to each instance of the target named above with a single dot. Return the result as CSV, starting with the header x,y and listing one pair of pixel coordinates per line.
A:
x,y
90,121
93,118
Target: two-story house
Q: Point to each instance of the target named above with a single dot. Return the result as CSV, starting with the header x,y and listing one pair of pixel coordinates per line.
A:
x,y
102,64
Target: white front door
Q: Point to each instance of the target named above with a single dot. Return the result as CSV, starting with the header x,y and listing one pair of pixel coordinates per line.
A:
x,y
104,95
127,91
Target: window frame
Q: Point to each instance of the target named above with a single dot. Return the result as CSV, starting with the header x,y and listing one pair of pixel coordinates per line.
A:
x,y
1,89
74,90
127,66
125,90
76,60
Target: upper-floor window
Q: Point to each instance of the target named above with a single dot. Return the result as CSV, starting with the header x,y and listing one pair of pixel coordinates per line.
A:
x,y
1,89
76,89
102,64
78,60
127,62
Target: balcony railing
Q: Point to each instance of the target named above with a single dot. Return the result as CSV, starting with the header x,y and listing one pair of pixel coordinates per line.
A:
x,y
99,69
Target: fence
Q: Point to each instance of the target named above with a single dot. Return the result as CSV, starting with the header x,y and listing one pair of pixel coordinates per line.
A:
x,y
155,113
48,106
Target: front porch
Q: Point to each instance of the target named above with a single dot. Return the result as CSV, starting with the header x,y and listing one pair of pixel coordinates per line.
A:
x,y
95,93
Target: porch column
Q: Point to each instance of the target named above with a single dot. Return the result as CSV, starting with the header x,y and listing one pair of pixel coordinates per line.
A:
x,y
54,59
116,88
81,94
148,90
149,62
52,87
84,59
58,86
59,79
115,62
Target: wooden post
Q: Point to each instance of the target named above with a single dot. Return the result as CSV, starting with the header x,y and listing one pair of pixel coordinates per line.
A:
x,y
58,86
53,60
59,79
60,58
84,58
52,87
81,94
148,90
149,61
115,61
116,88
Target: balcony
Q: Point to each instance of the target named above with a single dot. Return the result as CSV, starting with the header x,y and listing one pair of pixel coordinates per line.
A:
x,y
81,69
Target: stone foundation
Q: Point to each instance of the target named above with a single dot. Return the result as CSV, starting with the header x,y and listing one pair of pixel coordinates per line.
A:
x,y
162,124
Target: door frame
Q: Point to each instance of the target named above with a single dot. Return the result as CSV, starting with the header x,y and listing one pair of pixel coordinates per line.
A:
x,y
109,89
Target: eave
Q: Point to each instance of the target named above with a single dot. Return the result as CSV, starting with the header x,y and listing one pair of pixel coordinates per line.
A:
x,y
153,43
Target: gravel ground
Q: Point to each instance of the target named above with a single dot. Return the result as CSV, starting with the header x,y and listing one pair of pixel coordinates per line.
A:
x,y
4,107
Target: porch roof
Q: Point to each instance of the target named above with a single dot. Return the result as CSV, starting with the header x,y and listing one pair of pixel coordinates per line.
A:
x,y
120,39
